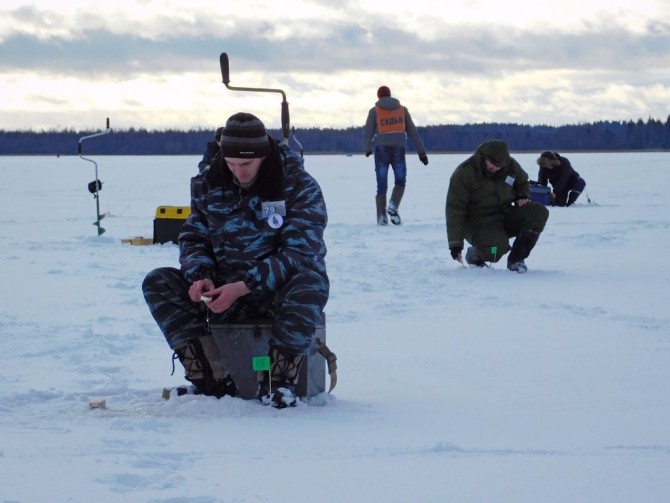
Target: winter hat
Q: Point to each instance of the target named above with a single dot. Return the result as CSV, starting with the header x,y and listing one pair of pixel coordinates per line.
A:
x,y
548,159
217,135
496,151
245,137
383,91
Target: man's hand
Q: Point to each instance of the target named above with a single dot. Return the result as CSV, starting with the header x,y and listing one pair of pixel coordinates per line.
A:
x,y
424,159
522,201
368,153
456,253
198,288
224,296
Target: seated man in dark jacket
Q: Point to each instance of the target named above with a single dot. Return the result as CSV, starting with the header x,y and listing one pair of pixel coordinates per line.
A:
x,y
252,247
487,203
566,184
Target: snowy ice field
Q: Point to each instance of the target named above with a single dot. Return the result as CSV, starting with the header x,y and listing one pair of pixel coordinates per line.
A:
x,y
455,384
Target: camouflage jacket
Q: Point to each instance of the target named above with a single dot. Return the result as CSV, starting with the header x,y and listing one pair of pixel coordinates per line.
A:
x,y
229,237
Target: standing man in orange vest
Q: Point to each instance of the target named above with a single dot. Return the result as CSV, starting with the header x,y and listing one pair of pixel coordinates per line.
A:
x,y
388,124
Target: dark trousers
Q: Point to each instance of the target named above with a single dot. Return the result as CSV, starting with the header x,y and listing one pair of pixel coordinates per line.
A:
x,y
295,309
576,186
491,235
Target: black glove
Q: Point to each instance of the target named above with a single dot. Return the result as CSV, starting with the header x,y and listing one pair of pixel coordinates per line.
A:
x,y
368,153
424,159
456,251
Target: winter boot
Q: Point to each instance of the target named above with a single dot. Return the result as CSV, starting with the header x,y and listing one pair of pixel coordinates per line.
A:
x,y
279,389
381,210
195,355
394,204
473,258
519,266
572,197
523,244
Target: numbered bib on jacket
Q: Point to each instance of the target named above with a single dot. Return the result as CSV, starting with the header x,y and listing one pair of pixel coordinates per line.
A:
x,y
273,208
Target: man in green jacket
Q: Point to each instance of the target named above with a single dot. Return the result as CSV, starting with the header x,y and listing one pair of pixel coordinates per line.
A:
x,y
487,203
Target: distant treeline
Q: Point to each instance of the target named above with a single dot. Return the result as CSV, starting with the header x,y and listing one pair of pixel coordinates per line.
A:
x,y
604,135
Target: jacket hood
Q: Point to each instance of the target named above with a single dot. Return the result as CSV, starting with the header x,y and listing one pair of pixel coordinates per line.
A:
x,y
388,103
495,151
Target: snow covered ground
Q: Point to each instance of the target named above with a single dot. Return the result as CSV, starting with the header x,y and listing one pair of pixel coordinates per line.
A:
x,y
455,384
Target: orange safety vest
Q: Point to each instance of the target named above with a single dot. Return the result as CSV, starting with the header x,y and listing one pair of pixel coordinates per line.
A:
x,y
391,121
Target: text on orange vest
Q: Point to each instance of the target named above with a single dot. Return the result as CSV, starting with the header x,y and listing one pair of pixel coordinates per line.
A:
x,y
390,121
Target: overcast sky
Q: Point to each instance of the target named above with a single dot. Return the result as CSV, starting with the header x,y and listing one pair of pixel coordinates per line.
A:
x,y
155,64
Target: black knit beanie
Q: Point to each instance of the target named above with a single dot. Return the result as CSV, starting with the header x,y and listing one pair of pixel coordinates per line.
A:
x,y
245,137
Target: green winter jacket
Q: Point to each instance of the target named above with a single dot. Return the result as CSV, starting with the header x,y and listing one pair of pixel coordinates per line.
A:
x,y
476,196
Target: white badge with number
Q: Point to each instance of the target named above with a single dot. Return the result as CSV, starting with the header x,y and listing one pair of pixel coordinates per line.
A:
x,y
273,208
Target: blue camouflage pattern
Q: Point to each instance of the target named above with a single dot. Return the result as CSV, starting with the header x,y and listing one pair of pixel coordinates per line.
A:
x,y
227,237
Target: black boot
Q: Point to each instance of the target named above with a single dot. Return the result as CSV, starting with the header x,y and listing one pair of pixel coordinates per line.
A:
x,y
198,370
523,244
279,389
473,258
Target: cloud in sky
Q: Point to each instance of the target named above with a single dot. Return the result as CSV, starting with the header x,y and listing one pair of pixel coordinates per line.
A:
x,y
155,64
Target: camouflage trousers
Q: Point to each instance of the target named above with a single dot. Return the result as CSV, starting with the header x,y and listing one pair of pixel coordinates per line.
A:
x,y
295,309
